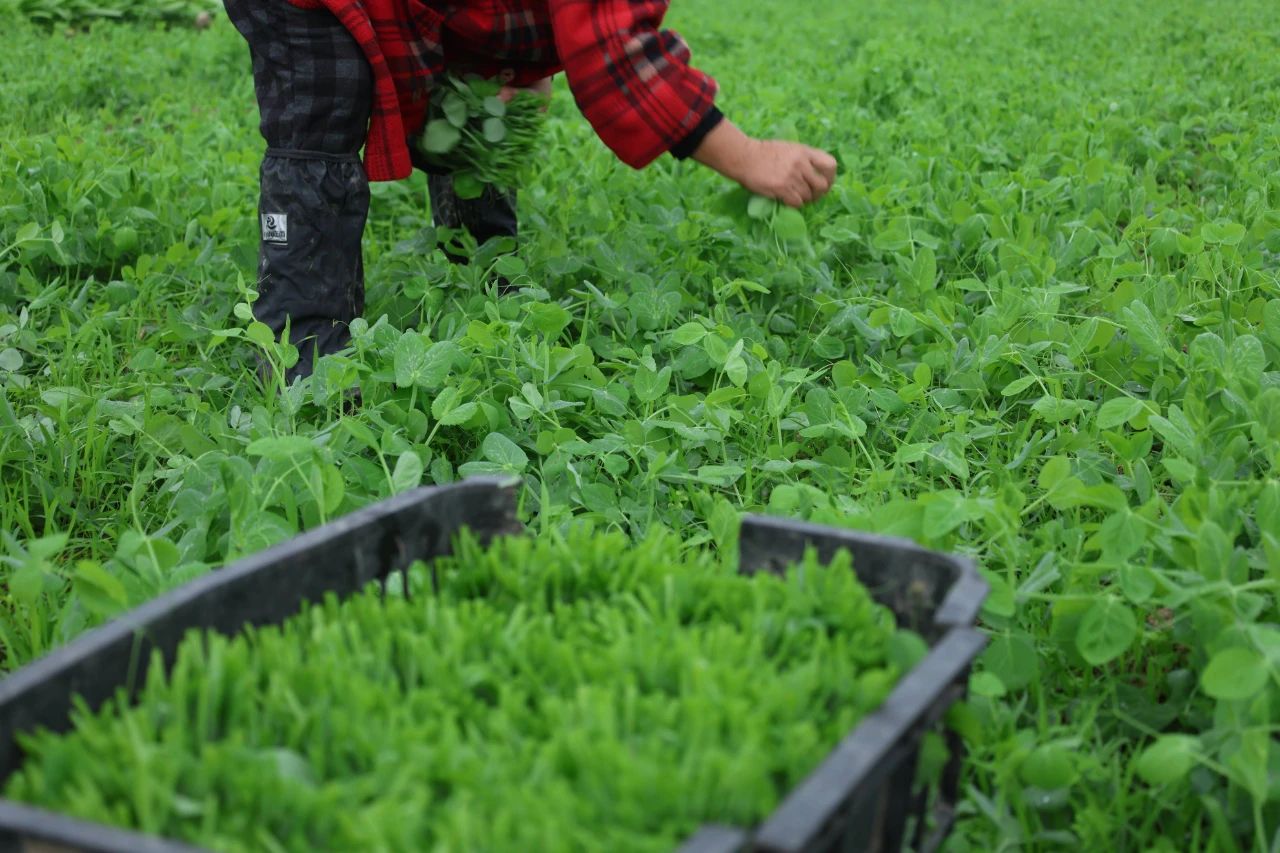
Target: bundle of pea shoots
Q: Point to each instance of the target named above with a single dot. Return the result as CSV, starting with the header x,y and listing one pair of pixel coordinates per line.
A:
x,y
479,138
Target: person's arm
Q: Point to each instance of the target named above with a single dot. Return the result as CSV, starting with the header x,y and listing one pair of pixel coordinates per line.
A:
x,y
633,81
631,78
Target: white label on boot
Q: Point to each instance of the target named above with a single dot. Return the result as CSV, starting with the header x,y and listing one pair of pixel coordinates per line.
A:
x,y
275,227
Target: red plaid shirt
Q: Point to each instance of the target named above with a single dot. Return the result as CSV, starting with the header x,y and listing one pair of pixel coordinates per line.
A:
x,y
631,79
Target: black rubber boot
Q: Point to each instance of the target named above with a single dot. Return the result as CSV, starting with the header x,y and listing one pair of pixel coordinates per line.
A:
x,y
312,214
315,92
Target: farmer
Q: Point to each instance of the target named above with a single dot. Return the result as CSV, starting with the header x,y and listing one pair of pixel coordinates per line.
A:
x,y
335,76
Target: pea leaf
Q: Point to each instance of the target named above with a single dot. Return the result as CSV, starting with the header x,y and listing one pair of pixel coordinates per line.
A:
x,y
650,385
1118,411
1122,535
1012,658
789,226
503,451
281,447
1223,232
1168,759
1050,766
1106,631
1235,674
460,415
495,106
455,110
689,334
440,137
495,130
100,590
1143,328
408,472
1018,385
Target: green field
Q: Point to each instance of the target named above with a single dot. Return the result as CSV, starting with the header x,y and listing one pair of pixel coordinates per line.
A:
x,y
1037,321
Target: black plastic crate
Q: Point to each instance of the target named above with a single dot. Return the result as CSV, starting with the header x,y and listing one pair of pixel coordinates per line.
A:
x,y
862,797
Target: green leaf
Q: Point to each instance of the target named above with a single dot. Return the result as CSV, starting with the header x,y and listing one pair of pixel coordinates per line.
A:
x,y
651,385
467,186
360,433
1167,760
460,415
1056,471
760,207
547,318
125,240
1118,411
1271,320
409,358
1249,763
505,452
924,269
416,363
1208,352
1106,631
455,110
1223,232
27,233
736,370
26,584
1213,551
510,266
440,137
722,476
289,765
1180,470
1143,328
844,374
1019,385
1012,658
1248,358
716,349
1049,767
101,591
1178,432
281,447
1137,582
789,226
260,334
987,684
495,106
906,649
495,130
158,555
689,334
1235,674
1056,410
946,512
1122,535
408,472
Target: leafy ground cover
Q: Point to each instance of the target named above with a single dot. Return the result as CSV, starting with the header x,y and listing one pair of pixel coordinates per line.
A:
x,y
1037,321
574,694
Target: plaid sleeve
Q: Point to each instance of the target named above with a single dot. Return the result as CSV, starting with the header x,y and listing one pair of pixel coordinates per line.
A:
x,y
631,78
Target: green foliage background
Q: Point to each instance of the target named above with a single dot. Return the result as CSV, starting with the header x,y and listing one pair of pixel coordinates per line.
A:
x,y
1037,321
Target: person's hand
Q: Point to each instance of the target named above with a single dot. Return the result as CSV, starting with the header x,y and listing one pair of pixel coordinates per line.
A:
x,y
541,88
789,172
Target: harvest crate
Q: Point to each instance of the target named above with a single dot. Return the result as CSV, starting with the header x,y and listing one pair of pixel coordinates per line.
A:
x,y
863,796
